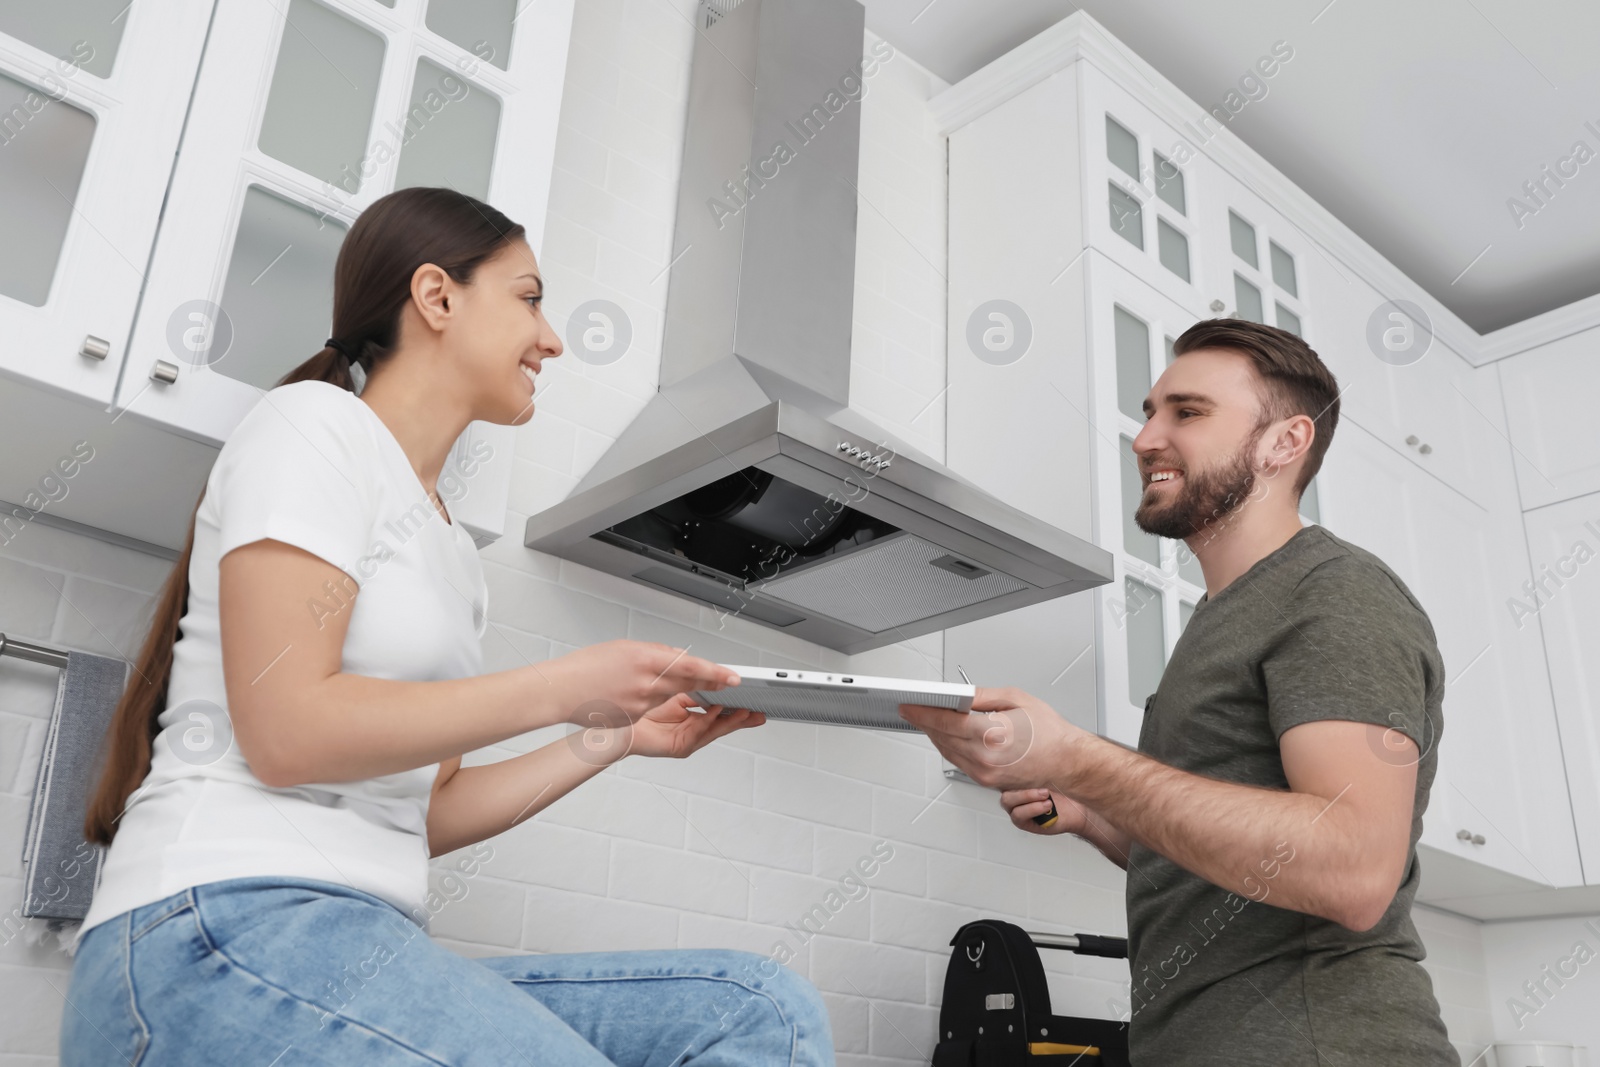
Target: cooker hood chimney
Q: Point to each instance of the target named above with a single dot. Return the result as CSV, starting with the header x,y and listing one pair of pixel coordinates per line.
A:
x,y
748,483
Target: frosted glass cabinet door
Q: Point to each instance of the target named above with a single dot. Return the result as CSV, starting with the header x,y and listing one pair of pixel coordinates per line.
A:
x,y
1143,206
282,259
92,96
304,113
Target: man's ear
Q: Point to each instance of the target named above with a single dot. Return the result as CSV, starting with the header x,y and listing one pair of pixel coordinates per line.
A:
x,y
1287,443
430,293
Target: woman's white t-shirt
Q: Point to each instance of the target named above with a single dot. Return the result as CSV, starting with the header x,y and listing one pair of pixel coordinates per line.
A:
x,y
313,466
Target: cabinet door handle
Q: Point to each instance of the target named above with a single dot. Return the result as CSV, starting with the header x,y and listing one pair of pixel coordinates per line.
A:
x,y
164,371
1470,837
94,347
1424,448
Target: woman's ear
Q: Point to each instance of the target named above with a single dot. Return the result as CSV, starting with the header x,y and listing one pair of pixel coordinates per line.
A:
x,y
430,293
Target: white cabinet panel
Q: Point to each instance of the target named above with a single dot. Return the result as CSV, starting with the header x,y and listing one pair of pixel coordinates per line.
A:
x,y
91,120
1564,545
1143,195
1366,500
1141,612
254,136
305,113
1499,757
1549,393
1258,265
1018,396
1439,412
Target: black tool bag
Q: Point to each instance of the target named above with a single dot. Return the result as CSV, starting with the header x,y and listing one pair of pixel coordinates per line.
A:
x,y
996,1009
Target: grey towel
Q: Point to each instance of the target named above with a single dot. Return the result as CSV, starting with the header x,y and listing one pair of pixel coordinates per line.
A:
x,y
60,868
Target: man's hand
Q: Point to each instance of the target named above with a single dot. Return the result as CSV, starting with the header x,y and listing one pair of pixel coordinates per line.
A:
x,y
1023,805
1011,740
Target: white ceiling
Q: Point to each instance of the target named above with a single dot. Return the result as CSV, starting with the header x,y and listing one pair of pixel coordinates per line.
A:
x,y
1413,121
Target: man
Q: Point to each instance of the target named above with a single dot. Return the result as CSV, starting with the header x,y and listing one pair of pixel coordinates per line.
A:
x,y
1268,820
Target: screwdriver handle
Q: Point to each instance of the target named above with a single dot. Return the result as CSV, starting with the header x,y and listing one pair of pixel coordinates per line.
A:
x,y
1045,818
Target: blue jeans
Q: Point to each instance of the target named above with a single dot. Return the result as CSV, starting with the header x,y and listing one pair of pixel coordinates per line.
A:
x,y
310,972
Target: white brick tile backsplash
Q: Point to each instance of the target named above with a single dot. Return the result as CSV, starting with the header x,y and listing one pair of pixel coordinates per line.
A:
x,y
619,807
716,770
907,1031
33,597
960,880
549,441
558,921
694,641
478,908
810,794
810,906
1084,909
106,619
509,551
64,550
866,755
792,741
698,930
742,832
642,601
924,821
506,648
538,852
913,922
34,1000
847,1017
904,871
550,610
676,879
840,965
21,742
537,487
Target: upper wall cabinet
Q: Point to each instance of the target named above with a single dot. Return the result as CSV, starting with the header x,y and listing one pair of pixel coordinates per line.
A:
x,y
304,113
1143,204
92,99
1407,387
1558,451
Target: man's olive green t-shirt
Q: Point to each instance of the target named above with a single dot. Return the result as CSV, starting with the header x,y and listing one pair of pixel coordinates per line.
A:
x,y
1318,629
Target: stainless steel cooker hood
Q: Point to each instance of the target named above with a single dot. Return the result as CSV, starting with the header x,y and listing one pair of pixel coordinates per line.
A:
x,y
748,483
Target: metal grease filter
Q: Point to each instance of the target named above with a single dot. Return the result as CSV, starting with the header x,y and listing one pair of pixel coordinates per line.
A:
x,y
886,583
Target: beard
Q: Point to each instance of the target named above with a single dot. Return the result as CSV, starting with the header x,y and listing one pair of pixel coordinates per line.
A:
x,y
1206,498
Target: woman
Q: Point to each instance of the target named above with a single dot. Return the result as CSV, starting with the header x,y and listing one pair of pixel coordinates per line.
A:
x,y
279,773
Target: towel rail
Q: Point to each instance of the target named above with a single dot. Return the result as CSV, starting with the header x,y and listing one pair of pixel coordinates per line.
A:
x,y
54,657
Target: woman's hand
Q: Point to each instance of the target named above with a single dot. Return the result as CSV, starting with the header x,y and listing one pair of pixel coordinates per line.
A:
x,y
614,683
670,729
1023,804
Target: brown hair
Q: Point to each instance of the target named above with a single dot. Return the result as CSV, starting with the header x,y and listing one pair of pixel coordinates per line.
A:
x,y
371,284
1294,380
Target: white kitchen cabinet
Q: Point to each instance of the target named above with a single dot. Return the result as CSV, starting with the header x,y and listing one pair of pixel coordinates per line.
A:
x,y
1259,267
1130,325
92,98
1500,742
1022,406
1440,413
1548,399
1563,603
304,113
1419,472
1143,208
